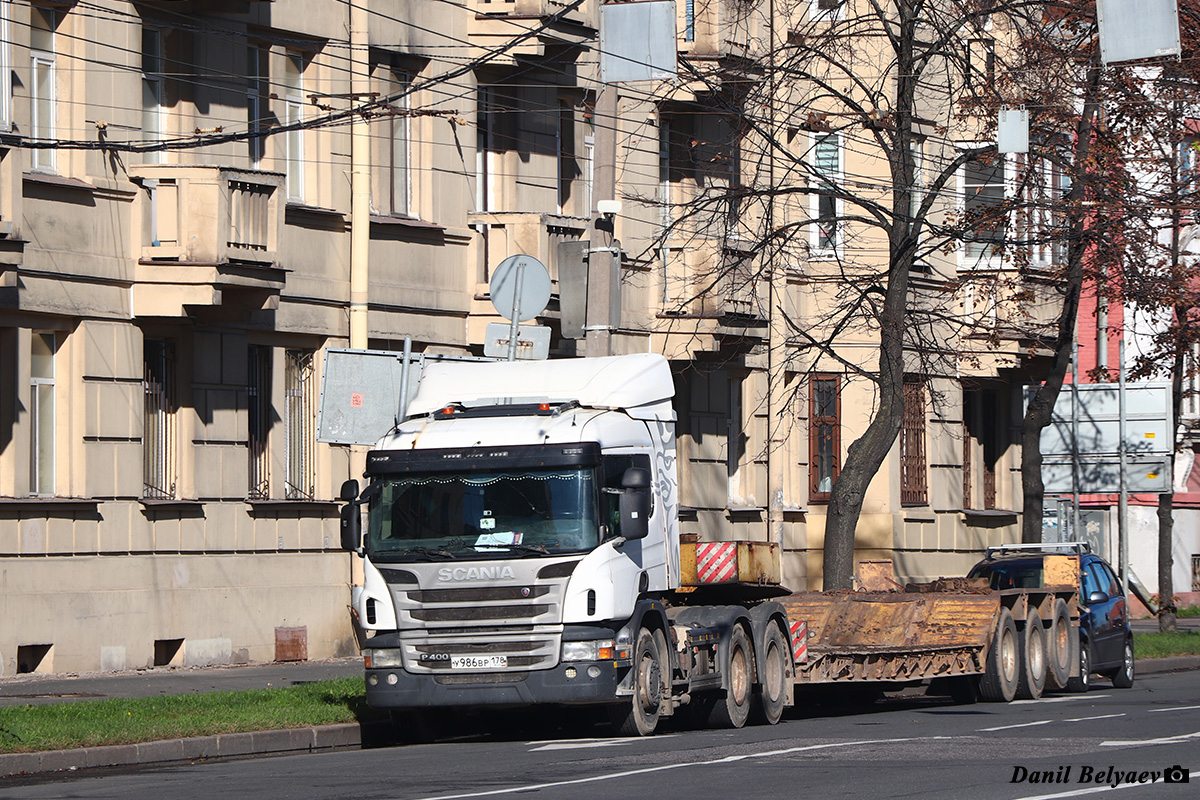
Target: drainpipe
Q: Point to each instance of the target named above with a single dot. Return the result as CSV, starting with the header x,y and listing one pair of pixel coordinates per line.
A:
x,y
360,177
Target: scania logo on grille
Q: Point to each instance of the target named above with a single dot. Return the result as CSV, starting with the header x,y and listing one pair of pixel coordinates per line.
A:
x,y
475,573
524,591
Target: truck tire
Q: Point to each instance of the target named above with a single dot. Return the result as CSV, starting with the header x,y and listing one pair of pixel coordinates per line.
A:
x,y
773,675
1123,677
1084,681
737,662
999,681
1032,680
639,715
1058,646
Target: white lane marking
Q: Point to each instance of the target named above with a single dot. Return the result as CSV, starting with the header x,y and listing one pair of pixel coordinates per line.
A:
x,y
583,744
664,767
1085,719
1022,725
1062,699
1183,737
1091,790
1177,708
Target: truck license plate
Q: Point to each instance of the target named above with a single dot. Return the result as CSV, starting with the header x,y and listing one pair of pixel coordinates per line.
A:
x,y
479,662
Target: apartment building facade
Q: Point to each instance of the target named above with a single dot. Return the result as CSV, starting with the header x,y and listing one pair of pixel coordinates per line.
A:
x,y
176,195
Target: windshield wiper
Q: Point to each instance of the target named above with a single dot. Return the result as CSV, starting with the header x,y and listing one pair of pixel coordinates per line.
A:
x,y
528,548
428,552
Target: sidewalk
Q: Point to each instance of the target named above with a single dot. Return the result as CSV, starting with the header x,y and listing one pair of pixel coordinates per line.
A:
x,y
34,689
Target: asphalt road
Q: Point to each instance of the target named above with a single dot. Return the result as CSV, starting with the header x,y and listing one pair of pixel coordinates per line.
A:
x,y
900,747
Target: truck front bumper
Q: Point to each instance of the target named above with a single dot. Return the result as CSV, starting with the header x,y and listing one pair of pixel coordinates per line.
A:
x,y
577,682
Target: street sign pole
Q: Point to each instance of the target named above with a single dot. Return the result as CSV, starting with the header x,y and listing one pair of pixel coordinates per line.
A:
x,y
516,312
1123,505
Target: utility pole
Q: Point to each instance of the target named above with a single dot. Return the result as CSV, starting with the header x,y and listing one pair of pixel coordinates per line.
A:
x,y
360,177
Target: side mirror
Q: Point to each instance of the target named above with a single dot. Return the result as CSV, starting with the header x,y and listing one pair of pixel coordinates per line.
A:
x,y
352,528
1097,597
634,504
351,515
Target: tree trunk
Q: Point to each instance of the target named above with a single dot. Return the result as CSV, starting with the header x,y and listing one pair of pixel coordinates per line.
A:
x,y
1166,521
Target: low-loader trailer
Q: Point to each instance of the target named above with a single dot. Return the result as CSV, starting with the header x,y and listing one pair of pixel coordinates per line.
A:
x,y
522,547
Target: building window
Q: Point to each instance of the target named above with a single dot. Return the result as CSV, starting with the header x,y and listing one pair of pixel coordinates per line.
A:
x,y
485,150
392,192
824,436
158,438
300,421
153,107
258,409
293,120
981,64
827,177
42,413
256,94
42,91
5,65
983,202
982,425
913,464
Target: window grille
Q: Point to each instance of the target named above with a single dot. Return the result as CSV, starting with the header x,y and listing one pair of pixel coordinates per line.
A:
x,y
258,386
824,436
158,439
913,466
301,440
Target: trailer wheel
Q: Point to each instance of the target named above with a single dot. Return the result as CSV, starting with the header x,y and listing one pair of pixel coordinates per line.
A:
x,y
639,716
1058,650
1084,681
1032,681
773,674
732,710
999,681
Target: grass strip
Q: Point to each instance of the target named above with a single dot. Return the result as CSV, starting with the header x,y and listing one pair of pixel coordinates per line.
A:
x,y
92,723
1163,645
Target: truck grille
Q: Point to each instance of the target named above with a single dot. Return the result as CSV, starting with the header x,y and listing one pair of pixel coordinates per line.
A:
x,y
538,650
521,621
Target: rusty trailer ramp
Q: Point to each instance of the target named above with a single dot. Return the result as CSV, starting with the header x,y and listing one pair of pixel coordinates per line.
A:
x,y
893,636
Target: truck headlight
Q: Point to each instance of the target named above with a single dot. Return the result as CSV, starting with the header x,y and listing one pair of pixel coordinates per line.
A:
x,y
594,650
383,658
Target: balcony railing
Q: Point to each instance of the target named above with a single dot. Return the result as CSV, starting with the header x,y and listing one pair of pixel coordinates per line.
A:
x,y
210,215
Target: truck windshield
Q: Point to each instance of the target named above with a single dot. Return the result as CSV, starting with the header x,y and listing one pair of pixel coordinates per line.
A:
x,y
483,515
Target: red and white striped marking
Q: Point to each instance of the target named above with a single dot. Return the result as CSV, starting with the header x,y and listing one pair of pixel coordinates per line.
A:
x,y
716,562
799,642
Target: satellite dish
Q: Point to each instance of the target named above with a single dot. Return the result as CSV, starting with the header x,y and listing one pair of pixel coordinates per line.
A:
x,y
520,287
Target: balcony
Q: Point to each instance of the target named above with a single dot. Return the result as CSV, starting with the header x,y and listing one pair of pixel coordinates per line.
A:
x,y
209,238
492,25
504,234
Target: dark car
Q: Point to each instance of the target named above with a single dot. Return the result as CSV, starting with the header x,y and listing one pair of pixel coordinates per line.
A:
x,y
1106,640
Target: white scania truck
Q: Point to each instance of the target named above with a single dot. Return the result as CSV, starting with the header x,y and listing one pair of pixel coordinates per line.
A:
x,y
522,547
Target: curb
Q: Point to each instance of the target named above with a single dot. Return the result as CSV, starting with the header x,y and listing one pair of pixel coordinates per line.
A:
x,y
1148,666
224,745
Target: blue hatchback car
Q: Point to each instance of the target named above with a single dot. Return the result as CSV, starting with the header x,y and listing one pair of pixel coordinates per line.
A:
x,y
1106,640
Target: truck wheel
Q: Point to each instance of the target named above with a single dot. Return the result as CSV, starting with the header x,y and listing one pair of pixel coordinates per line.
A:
x,y
773,674
1058,647
1084,681
1032,681
639,717
1123,677
999,681
732,710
